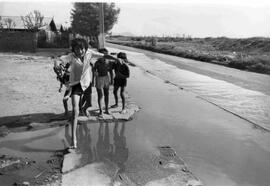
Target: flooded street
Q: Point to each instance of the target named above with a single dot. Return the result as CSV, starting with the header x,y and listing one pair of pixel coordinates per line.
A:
x,y
252,105
95,93
37,146
208,122
220,149
219,152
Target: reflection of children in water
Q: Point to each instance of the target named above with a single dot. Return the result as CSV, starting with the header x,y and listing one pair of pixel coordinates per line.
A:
x,y
84,140
120,155
103,148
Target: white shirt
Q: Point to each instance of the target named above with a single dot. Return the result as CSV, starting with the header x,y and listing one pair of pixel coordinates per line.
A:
x,y
81,72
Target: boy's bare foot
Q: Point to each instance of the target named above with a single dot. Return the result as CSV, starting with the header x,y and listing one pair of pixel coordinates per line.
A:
x,y
114,106
87,113
73,146
83,112
69,119
107,112
101,116
124,111
72,149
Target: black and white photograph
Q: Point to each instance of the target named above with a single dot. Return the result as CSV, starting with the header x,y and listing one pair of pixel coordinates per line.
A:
x,y
135,93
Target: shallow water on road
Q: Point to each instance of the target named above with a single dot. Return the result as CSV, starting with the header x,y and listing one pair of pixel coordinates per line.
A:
x,y
220,149
37,146
251,105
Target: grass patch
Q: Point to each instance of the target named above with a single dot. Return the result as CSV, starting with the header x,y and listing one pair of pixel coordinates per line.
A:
x,y
251,54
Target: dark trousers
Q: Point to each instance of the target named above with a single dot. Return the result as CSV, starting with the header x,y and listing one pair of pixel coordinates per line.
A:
x,y
86,99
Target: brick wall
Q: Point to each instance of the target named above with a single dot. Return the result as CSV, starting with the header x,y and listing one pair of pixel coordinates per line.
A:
x,y
16,41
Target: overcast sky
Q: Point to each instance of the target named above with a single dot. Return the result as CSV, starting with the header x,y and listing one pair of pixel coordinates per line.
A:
x,y
198,18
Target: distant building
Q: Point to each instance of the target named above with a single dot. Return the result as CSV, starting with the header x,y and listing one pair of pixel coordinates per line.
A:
x,y
14,33
16,23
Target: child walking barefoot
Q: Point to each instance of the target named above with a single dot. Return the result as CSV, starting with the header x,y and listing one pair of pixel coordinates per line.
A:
x,y
103,74
121,71
80,77
80,60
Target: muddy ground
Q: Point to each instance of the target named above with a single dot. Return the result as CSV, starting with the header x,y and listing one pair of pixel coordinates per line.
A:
x,y
29,96
30,101
29,90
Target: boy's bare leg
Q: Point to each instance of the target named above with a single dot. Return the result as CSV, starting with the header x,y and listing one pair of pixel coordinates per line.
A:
x,y
122,94
60,88
122,131
75,113
115,129
65,103
106,100
86,99
89,96
100,95
115,89
65,100
81,105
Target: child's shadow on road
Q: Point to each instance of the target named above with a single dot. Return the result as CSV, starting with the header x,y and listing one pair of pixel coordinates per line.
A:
x,y
28,119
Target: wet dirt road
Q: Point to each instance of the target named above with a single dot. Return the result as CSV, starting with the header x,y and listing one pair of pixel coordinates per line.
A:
x,y
249,80
219,147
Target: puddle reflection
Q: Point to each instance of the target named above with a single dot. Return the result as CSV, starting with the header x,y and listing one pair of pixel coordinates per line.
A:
x,y
120,154
104,148
101,143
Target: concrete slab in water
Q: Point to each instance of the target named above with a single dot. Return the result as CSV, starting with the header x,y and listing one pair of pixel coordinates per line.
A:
x,y
91,175
162,167
115,113
71,161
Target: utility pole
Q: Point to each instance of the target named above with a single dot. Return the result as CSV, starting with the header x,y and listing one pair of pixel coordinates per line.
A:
x,y
101,36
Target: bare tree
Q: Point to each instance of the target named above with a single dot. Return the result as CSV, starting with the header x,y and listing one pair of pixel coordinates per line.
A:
x,y
1,23
9,23
33,20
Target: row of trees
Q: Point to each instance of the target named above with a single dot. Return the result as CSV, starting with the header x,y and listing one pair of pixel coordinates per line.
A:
x,y
84,19
84,16
7,22
31,21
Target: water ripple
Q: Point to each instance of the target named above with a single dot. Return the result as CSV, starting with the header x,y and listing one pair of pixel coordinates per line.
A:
x,y
251,105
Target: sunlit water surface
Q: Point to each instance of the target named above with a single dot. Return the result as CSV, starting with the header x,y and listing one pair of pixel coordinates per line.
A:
x,y
251,105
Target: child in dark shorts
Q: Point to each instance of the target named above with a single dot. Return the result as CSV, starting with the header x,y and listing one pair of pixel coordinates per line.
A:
x,y
103,78
80,59
121,71
80,78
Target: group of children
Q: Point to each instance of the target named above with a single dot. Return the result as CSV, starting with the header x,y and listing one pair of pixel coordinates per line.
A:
x,y
87,68
103,78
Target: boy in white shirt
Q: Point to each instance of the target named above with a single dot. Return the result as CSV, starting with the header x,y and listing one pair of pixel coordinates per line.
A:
x,y
81,77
